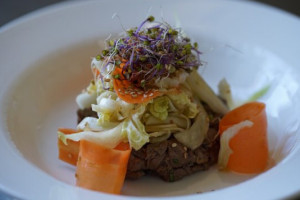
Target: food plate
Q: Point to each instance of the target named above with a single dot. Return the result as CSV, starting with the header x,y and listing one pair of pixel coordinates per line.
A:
x,y
45,58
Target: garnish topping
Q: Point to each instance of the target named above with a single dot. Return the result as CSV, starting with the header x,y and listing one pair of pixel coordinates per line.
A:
x,y
146,55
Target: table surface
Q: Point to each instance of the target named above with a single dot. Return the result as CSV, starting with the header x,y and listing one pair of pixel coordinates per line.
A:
x,y
12,9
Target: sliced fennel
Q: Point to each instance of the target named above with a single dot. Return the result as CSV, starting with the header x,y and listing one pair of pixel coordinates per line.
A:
x,y
194,136
205,93
225,93
226,136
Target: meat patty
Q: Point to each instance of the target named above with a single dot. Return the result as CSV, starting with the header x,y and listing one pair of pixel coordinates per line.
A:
x,y
87,112
171,160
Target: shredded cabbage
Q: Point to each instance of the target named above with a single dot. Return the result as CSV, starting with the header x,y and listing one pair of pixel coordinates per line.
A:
x,y
85,100
184,104
159,107
134,129
109,138
169,128
178,119
111,109
131,129
160,130
90,124
173,82
91,88
160,138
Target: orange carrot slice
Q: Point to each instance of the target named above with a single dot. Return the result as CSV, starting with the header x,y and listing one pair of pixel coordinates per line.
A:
x,y
100,168
68,153
249,145
127,92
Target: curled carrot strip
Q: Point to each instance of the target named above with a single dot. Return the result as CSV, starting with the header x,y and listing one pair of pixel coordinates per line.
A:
x,y
128,92
68,153
249,146
100,168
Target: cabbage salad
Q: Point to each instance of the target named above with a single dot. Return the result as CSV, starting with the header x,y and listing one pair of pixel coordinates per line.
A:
x,y
146,89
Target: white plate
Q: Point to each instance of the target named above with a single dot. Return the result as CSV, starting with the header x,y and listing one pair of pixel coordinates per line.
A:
x,y
44,62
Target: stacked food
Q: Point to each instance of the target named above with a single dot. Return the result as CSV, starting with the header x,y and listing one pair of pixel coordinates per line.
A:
x,y
146,111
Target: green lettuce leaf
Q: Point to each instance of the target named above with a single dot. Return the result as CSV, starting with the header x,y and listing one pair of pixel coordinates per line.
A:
x,y
134,129
159,107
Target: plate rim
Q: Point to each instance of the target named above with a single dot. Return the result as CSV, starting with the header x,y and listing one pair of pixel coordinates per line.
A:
x,y
49,10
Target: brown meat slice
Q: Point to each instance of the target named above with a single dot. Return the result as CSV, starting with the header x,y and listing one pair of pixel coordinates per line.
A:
x,y
171,160
87,112
155,154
